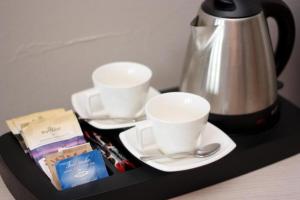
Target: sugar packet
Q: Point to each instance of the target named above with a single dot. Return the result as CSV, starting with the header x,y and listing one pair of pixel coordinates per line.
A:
x,y
81,169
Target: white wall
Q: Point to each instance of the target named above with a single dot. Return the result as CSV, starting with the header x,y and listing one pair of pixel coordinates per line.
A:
x,y
48,49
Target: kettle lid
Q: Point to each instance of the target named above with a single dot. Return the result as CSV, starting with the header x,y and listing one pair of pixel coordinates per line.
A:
x,y
232,8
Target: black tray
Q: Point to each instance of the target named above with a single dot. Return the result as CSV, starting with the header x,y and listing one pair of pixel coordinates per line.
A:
x,y
253,152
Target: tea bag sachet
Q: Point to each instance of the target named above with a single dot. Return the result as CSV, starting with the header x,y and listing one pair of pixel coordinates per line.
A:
x,y
47,136
17,124
81,169
52,159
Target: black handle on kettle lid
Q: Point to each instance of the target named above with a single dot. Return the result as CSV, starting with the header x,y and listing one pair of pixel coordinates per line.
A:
x,y
232,8
283,16
225,5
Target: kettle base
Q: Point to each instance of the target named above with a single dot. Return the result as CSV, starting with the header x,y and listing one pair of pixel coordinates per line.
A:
x,y
249,123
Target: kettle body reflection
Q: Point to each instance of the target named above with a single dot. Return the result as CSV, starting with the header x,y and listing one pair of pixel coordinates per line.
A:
x,y
230,59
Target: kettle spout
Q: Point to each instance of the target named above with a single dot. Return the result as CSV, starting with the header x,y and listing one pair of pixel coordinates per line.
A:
x,y
202,35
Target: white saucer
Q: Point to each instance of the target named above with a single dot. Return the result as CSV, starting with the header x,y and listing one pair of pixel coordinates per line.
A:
x,y
211,134
78,103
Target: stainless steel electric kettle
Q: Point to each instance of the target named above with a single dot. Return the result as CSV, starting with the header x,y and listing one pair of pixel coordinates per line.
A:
x,y
230,60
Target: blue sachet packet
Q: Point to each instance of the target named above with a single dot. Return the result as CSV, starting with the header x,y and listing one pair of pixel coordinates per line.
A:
x,y
81,169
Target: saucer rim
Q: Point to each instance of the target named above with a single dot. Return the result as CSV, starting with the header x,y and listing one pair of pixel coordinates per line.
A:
x,y
159,166
96,123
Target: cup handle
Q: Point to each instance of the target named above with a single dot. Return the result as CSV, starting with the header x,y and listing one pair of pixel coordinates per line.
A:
x,y
90,94
140,130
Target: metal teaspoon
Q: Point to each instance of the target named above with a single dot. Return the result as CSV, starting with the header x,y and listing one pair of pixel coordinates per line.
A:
x,y
117,119
200,152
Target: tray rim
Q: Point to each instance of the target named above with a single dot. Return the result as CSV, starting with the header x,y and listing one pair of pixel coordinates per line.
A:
x,y
157,177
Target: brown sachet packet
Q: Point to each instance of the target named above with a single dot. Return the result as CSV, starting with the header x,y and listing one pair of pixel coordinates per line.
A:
x,y
50,161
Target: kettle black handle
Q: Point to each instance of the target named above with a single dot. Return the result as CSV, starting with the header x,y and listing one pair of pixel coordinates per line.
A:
x,y
283,16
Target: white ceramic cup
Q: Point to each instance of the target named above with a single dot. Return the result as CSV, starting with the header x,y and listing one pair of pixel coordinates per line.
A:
x,y
176,119
122,88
